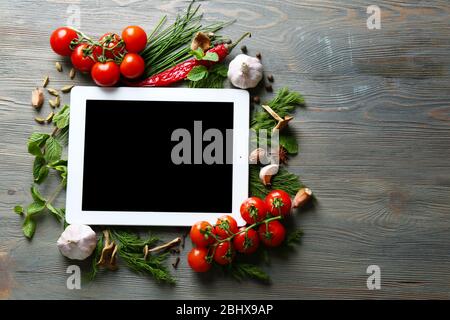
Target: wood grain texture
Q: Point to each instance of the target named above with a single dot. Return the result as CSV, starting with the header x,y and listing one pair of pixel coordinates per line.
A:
x,y
374,146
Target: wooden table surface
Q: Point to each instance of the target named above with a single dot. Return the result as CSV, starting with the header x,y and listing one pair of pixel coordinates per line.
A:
x,y
374,140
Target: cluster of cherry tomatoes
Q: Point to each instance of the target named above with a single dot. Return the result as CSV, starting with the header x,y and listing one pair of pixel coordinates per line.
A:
x,y
106,59
221,241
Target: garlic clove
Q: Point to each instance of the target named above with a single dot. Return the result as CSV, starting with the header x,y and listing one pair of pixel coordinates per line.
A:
x,y
77,242
303,196
37,98
266,173
258,156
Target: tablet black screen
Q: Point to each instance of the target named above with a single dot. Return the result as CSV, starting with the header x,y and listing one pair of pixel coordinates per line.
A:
x,y
128,163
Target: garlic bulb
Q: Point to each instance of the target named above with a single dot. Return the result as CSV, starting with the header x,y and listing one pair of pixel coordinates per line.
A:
x,y
77,242
245,72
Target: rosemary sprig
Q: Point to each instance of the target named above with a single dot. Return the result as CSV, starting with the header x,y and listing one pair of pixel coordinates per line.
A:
x,y
240,271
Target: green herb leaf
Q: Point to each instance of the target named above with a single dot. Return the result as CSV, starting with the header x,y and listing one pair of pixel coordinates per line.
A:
x,y
241,271
28,227
198,73
211,56
53,150
294,238
35,142
289,142
35,208
198,53
61,119
18,209
220,69
57,213
283,180
40,170
37,197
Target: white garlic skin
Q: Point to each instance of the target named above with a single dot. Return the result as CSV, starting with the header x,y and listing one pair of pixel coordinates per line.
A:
x,y
245,72
269,170
77,242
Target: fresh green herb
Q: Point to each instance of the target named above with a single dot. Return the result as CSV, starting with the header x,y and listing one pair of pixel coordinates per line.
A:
x,y
294,237
289,142
96,257
130,250
40,169
283,104
211,56
168,47
214,79
241,271
61,119
198,73
283,180
28,227
18,209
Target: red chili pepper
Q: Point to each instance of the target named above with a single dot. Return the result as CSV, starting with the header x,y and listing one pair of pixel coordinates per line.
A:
x,y
181,70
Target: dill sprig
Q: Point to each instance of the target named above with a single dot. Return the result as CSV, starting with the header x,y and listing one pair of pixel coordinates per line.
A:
x,y
130,248
283,104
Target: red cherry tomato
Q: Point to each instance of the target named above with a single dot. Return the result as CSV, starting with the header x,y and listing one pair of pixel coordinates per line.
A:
x,y
224,253
60,40
253,210
82,58
278,203
132,66
199,234
246,242
113,42
135,38
225,227
272,235
105,74
97,52
197,260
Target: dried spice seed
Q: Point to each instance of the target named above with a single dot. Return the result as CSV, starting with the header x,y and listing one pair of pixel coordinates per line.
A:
x,y
67,89
256,99
270,78
55,102
53,92
58,67
39,120
269,88
37,98
49,117
228,41
72,73
45,81
244,49
258,55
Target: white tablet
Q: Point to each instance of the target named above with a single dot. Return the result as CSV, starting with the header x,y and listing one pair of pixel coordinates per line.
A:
x,y
156,156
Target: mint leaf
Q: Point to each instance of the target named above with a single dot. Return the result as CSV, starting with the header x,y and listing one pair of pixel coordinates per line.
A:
x,y
18,209
40,170
211,56
197,73
53,150
35,208
37,197
61,119
28,227
35,142
198,53
289,142
57,213
220,69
